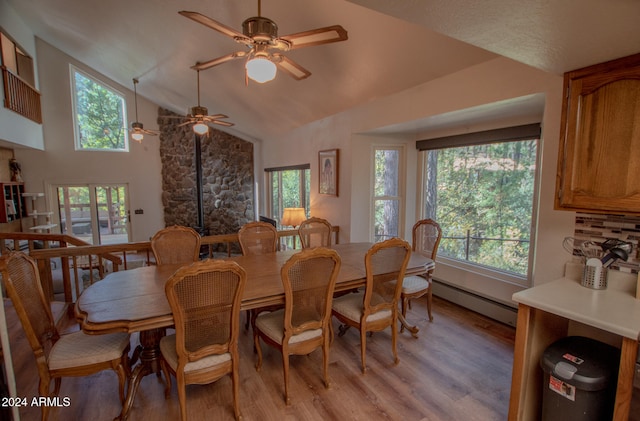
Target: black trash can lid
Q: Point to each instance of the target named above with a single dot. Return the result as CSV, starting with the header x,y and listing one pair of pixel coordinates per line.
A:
x,y
585,363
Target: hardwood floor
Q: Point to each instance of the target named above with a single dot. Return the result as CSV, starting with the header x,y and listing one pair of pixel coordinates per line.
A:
x,y
458,369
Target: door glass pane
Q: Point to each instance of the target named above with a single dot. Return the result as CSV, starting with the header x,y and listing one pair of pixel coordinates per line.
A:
x,y
75,212
112,214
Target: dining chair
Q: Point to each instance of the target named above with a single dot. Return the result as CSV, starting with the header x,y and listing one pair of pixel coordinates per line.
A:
x,y
376,307
426,240
303,325
205,300
315,232
258,237
176,244
71,355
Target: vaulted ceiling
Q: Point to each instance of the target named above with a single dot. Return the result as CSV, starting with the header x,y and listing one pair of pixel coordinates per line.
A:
x,y
392,46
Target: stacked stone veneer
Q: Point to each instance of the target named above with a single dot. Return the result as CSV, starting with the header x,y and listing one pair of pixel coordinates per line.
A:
x,y
227,177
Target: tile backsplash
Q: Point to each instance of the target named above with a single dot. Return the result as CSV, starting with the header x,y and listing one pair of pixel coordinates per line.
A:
x,y
598,228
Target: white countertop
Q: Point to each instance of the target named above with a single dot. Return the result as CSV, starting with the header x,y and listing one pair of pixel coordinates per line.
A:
x,y
614,309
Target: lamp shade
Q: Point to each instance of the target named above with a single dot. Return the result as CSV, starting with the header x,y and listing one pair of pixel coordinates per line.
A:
x,y
293,216
261,69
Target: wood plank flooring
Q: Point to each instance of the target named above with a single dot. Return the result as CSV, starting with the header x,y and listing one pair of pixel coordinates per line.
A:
x,y
458,369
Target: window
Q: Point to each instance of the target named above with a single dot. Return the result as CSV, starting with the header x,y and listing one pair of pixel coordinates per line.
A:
x,y
287,187
99,117
387,197
480,188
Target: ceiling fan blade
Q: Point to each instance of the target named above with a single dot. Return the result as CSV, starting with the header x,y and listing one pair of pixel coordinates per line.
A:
x,y
318,36
185,123
290,67
150,132
216,116
223,29
216,61
222,123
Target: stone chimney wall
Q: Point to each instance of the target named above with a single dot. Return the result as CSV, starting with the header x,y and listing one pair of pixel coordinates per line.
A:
x,y
227,177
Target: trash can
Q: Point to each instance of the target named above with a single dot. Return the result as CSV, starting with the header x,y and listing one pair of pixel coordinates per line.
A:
x,y
580,379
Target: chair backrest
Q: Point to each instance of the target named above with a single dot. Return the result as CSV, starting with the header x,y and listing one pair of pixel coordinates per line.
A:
x,y
258,238
315,232
22,283
385,263
176,244
205,300
426,237
309,278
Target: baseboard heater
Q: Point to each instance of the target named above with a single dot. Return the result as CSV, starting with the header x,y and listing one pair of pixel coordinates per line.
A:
x,y
485,306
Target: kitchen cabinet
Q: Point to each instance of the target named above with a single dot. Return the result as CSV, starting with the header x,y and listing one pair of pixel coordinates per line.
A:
x,y
599,156
12,207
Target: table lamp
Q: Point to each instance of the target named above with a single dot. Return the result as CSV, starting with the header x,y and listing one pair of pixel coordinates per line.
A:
x,y
293,216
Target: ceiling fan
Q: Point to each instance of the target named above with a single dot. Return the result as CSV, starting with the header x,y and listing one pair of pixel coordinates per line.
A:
x,y
199,117
137,129
260,35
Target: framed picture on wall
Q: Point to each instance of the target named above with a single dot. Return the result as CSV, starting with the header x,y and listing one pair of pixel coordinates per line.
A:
x,y
328,165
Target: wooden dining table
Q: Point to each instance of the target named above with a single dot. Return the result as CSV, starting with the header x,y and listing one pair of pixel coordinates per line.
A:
x,y
134,300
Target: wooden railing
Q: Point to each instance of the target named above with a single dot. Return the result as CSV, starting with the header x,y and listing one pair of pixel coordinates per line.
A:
x,y
21,97
75,256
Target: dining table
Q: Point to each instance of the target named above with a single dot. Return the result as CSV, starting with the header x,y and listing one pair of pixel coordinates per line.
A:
x,y
134,300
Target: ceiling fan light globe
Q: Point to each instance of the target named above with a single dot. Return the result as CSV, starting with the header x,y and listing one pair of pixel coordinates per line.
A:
x,y
200,128
261,69
137,136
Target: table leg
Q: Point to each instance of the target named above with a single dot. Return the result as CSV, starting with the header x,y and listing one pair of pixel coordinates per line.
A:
x,y
149,354
413,329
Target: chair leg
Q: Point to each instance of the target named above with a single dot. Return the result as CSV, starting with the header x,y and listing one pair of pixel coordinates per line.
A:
x,y
325,361
394,340
182,397
44,387
285,367
256,347
405,302
429,301
236,386
121,371
363,349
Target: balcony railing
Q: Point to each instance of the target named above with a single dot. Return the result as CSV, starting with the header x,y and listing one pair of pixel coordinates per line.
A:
x,y
21,97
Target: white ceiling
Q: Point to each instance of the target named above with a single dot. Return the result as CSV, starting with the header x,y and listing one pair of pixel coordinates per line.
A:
x,y
393,45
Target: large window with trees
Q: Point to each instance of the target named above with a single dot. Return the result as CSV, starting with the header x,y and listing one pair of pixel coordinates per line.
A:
x,y
99,114
387,197
480,188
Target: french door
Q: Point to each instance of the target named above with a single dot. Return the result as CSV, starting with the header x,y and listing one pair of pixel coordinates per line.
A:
x,y
95,213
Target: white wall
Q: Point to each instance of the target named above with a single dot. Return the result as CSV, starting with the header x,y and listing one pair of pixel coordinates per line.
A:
x,y
490,82
60,163
15,130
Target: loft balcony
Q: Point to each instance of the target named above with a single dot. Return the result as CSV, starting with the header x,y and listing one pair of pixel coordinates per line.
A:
x,y
21,97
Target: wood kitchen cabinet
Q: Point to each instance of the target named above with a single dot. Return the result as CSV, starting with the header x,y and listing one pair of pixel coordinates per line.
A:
x,y
599,156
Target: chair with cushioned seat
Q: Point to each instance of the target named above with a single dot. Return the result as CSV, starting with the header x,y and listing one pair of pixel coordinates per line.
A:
x,y
205,300
304,324
376,307
57,356
315,232
176,244
426,239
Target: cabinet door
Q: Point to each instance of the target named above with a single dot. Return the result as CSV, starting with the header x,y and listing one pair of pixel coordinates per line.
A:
x,y
599,159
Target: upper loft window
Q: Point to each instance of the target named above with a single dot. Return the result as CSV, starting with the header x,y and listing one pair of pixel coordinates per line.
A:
x,y
99,115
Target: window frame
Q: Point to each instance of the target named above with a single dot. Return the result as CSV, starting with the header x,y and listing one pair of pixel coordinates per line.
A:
x,y
508,134
305,180
400,198
74,99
